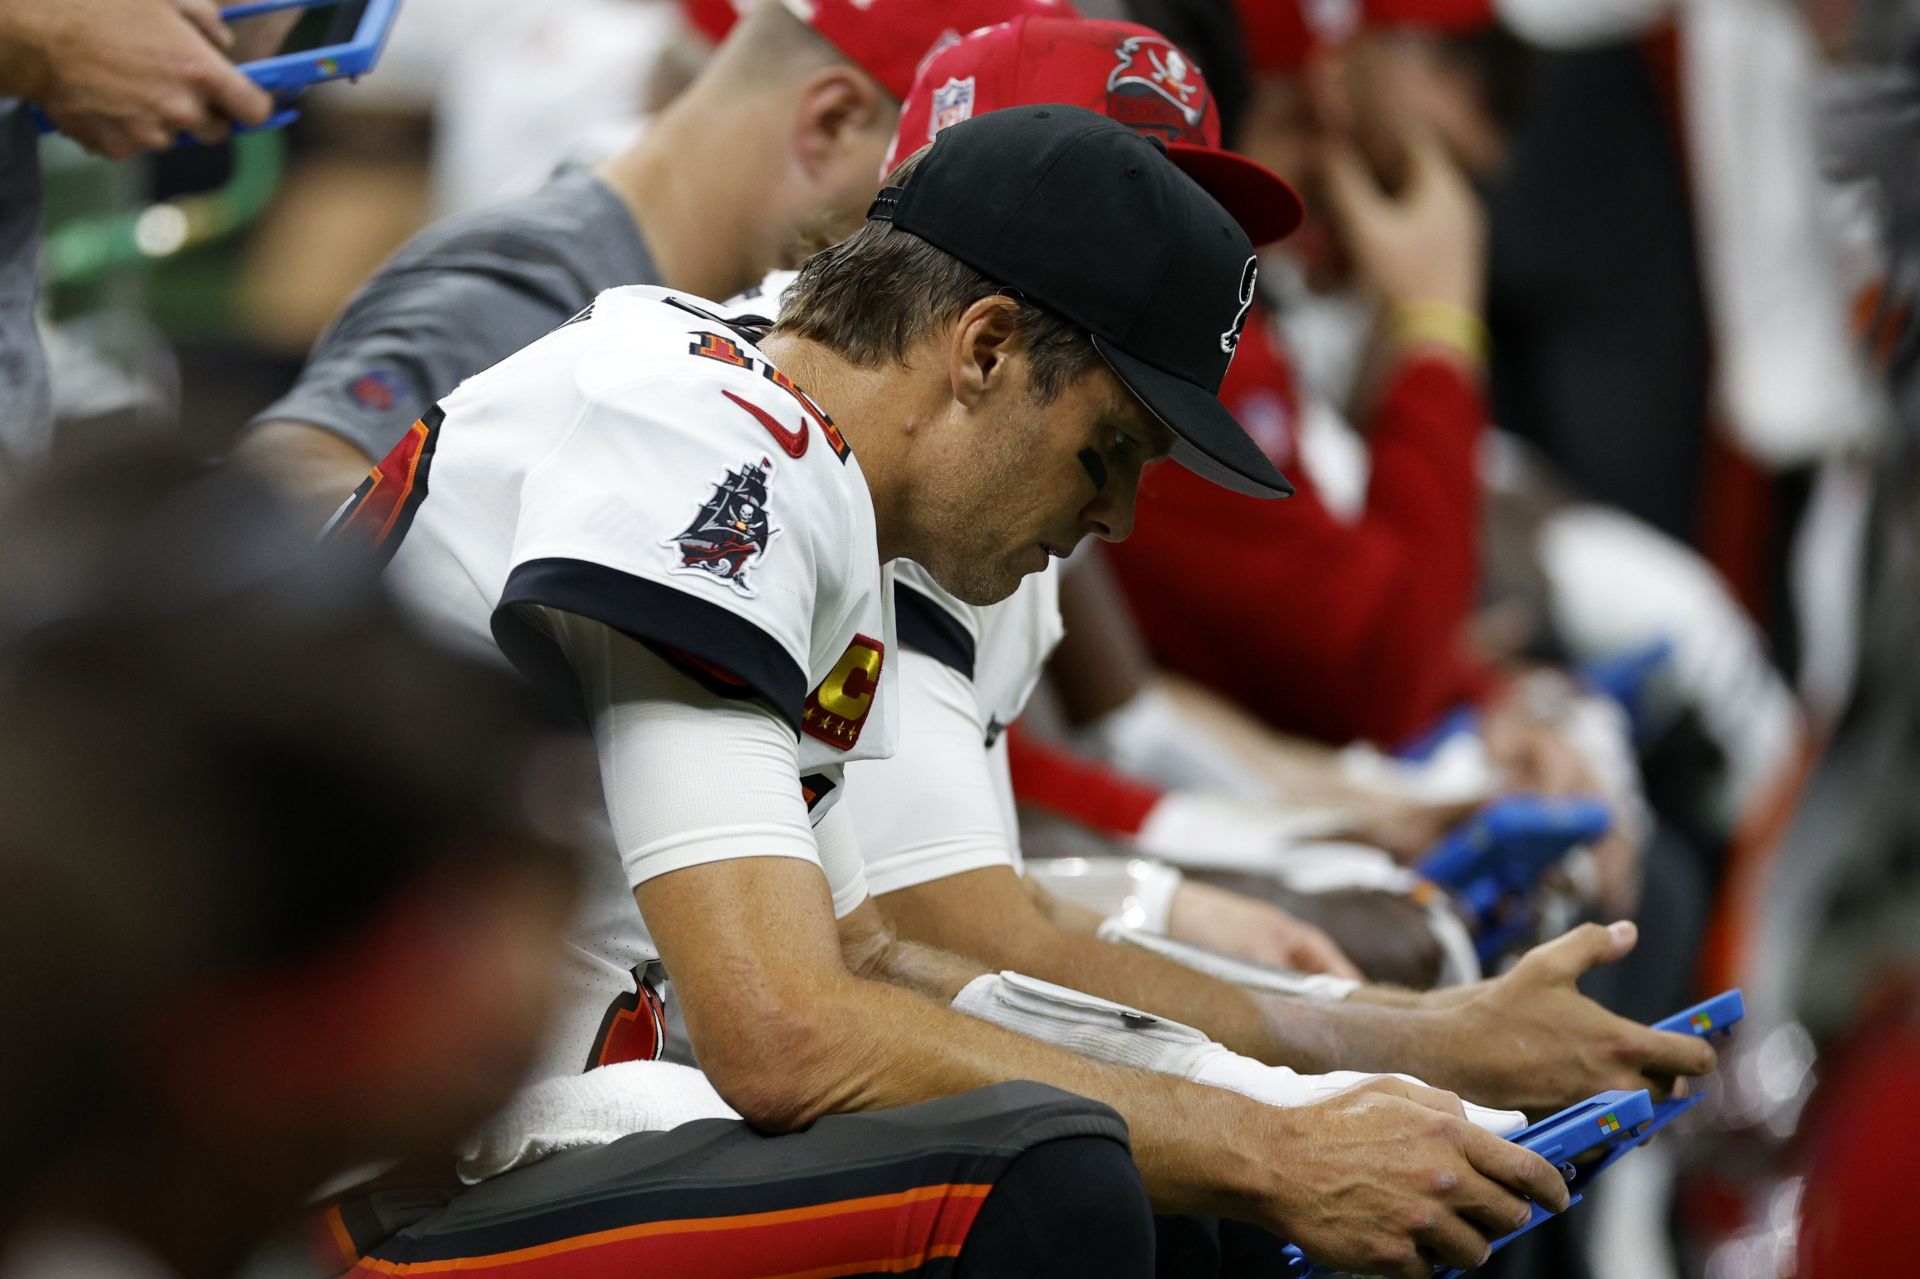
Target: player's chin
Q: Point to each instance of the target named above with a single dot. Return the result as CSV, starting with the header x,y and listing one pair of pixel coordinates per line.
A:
x,y
982,581
1022,564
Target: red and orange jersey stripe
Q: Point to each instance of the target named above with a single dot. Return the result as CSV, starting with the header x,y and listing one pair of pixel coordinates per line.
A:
x,y
818,1241
381,510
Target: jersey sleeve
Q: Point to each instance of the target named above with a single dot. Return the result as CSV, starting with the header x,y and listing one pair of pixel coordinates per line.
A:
x,y
669,512
929,620
658,735
931,810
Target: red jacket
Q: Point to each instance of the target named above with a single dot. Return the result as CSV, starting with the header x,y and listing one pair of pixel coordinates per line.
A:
x,y
1324,628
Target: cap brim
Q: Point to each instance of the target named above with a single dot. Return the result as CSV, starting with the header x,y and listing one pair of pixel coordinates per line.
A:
x,y
1208,441
1266,208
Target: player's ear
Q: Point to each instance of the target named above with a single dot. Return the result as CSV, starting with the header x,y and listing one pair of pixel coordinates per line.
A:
x,y
840,108
981,348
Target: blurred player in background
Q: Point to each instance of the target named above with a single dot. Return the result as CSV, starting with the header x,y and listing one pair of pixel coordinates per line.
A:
x,y
268,866
769,154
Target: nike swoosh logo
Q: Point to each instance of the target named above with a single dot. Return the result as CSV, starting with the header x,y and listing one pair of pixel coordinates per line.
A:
x,y
793,443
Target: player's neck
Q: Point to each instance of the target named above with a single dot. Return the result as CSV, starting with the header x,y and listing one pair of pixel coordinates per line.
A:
x,y
873,409
698,227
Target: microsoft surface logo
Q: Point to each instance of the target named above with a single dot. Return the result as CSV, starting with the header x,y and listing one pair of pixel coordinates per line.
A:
x,y
1609,1124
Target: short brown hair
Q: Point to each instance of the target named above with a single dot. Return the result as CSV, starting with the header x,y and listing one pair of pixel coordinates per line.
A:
x,y
875,294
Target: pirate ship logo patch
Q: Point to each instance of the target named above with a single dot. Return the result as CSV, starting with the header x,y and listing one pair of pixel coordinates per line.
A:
x,y
731,531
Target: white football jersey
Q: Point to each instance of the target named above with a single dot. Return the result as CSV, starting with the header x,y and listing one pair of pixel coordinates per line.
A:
x,y
1001,648
645,466
943,805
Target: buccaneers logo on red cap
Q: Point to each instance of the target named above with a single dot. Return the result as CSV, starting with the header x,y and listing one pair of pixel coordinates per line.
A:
x,y
1157,88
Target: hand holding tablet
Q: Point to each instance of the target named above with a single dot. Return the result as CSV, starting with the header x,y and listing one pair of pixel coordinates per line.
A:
x,y
288,46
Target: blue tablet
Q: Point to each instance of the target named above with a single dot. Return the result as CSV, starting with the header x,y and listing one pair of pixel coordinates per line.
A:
x,y
288,46
1570,1141
1495,858
1580,1141
1708,1018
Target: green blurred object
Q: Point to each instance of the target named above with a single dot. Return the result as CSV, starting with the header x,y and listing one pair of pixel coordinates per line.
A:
x,y
84,248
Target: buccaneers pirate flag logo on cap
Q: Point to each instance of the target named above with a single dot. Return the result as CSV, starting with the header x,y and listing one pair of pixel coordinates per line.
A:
x,y
1155,88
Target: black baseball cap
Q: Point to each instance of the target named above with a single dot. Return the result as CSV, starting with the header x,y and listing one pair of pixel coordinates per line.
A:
x,y
1090,219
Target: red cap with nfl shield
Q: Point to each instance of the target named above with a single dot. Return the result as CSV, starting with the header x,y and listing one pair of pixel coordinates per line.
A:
x,y
891,38
1120,69
1091,220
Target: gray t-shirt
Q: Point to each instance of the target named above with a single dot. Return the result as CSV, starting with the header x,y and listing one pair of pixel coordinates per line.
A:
x,y
26,408
459,297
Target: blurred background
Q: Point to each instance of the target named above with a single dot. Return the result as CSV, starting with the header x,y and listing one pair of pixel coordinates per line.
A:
x,y
1701,241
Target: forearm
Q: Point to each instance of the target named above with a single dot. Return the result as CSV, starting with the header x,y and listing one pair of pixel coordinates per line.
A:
x,y
1303,1035
313,468
878,1045
874,1029
1379,1028
1017,933
1058,911
925,970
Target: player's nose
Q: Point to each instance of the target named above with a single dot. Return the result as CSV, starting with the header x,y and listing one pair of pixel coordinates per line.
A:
x,y
1109,516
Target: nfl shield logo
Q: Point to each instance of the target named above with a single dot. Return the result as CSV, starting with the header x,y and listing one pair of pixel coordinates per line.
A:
x,y
952,103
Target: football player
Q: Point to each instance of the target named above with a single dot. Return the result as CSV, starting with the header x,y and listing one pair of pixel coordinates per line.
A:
x,y
935,820
676,522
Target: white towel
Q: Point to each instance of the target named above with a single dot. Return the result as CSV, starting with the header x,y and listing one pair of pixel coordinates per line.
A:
x,y
592,1109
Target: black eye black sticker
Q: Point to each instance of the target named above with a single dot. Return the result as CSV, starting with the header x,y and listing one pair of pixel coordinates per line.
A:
x,y
1096,468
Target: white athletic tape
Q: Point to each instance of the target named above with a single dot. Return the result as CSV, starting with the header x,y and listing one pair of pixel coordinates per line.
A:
x,y
1086,1024
1107,1031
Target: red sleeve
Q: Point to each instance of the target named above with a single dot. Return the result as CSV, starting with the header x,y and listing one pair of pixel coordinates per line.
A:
x,y
1078,789
1331,629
